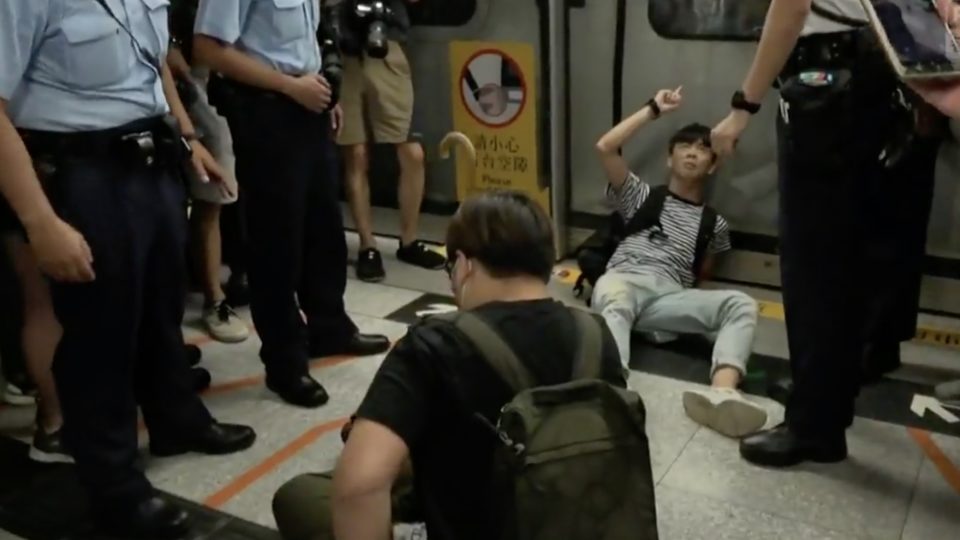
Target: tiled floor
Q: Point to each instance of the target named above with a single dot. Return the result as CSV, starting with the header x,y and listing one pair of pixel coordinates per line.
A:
x,y
888,489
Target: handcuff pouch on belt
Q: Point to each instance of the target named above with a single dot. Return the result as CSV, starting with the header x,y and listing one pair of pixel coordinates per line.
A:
x,y
180,152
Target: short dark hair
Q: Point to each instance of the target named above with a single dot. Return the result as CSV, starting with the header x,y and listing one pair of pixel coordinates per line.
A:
x,y
691,134
507,231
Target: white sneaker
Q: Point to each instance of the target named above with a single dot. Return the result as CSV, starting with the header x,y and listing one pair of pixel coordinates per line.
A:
x,y
14,395
224,324
725,411
948,393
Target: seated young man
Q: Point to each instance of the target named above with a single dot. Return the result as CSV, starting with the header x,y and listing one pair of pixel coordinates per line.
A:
x,y
419,407
649,279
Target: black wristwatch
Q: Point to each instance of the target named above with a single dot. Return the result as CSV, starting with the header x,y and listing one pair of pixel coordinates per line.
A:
x,y
740,103
654,108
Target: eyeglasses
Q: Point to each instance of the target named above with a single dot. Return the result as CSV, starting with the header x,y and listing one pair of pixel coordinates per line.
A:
x,y
449,266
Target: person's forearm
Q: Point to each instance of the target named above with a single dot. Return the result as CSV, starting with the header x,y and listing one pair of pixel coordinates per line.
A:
x,y
18,180
614,139
363,516
236,65
782,29
178,64
176,106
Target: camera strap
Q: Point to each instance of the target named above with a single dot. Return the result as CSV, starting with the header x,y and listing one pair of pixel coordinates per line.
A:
x,y
145,55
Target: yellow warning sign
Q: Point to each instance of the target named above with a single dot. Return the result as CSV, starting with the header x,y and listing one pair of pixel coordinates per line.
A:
x,y
495,105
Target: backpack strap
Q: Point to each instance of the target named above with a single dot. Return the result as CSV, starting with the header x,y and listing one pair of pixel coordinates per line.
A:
x,y
588,364
495,351
648,215
708,223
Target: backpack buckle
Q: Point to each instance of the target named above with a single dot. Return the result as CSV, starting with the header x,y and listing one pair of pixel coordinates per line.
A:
x,y
516,448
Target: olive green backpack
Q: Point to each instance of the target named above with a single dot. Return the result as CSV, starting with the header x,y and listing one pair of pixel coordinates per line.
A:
x,y
574,463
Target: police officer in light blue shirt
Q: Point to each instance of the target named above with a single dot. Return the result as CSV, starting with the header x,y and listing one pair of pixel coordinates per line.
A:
x,y
278,105
92,168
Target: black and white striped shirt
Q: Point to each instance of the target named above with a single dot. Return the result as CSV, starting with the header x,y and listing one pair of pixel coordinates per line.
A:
x,y
669,255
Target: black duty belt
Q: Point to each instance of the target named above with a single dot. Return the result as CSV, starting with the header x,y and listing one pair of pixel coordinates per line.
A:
x,y
151,136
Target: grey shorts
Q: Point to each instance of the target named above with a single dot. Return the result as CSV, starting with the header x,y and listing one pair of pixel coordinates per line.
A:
x,y
215,136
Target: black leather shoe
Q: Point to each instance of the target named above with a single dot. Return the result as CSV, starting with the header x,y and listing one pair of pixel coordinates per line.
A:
x,y
879,359
780,390
217,439
200,379
152,519
358,345
302,392
194,355
781,447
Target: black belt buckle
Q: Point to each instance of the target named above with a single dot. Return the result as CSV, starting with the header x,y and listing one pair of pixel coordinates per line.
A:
x,y
145,144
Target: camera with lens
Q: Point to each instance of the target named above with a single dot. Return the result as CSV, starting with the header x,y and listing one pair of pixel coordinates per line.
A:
x,y
329,36
371,19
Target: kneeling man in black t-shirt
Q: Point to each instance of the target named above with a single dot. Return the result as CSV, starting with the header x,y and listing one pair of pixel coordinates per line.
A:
x,y
419,409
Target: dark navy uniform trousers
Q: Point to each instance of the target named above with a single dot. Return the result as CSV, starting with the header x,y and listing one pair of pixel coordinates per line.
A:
x,y
852,233
122,344
297,252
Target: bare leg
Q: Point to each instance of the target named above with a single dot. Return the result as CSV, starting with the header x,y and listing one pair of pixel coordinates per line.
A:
x,y
221,322
41,333
412,180
205,225
358,193
726,377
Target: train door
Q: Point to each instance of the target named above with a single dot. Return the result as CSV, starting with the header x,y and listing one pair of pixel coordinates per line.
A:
x,y
704,45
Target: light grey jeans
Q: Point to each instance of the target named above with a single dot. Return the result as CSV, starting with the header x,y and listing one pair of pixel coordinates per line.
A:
x,y
647,302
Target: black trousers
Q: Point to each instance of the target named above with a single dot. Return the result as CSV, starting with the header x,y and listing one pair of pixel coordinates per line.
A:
x,y
233,231
122,343
12,362
842,213
896,241
297,251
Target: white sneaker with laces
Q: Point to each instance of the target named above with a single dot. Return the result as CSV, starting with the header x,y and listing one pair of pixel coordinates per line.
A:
x,y
15,396
224,324
724,410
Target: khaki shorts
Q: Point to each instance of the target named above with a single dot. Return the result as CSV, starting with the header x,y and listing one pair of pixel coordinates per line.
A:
x,y
215,138
383,89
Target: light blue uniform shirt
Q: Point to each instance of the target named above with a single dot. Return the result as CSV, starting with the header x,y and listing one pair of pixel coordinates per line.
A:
x,y
279,33
67,66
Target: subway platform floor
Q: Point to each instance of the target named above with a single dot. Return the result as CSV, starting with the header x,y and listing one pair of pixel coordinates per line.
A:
x,y
902,480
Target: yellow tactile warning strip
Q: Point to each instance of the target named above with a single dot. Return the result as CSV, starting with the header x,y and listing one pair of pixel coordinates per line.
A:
x,y
774,310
